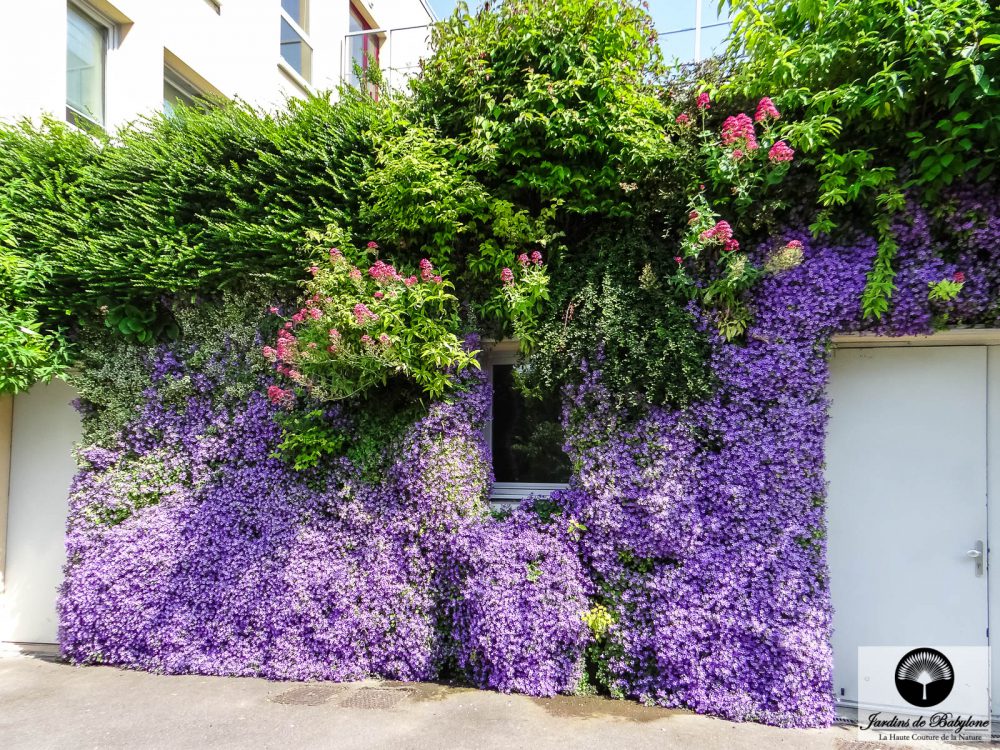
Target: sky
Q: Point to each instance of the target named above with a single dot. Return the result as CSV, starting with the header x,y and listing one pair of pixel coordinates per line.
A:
x,y
670,17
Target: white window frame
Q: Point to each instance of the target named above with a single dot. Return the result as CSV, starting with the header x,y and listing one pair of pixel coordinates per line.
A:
x,y
509,494
300,78
111,39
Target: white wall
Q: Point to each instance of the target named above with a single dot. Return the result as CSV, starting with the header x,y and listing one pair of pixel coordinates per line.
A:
x,y
236,51
42,467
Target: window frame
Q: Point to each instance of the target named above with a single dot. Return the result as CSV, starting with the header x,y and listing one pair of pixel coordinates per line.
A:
x,y
508,494
109,33
372,37
306,39
184,86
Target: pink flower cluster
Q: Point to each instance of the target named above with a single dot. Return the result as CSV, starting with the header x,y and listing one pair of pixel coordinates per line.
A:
x,y
281,397
427,272
704,101
721,232
362,314
739,130
384,272
766,111
682,119
524,260
780,152
507,276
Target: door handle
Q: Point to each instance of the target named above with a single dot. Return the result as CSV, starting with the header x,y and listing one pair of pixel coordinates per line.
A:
x,y
979,556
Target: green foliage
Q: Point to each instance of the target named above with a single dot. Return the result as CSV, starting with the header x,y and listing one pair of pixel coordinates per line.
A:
x,y
29,352
649,347
554,100
888,95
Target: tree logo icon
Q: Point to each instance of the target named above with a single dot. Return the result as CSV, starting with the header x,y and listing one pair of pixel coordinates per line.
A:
x,y
924,677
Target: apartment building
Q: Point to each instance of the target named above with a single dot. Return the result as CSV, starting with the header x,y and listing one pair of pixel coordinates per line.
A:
x,y
104,63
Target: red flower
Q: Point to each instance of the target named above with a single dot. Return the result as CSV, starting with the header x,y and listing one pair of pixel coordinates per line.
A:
x,y
372,245
780,152
678,259
704,101
682,119
523,259
730,245
958,277
507,276
766,110
739,130
536,258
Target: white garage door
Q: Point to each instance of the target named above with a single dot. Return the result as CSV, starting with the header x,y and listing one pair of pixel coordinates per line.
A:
x,y
908,457
42,467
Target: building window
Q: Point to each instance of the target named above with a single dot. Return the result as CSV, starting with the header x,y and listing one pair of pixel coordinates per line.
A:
x,y
525,435
364,47
87,42
178,91
296,50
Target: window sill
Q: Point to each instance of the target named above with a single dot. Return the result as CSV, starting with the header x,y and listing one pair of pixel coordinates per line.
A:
x,y
295,77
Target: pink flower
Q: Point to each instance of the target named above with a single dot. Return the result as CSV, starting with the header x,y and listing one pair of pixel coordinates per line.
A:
x,y
314,270
356,274
273,310
373,246
315,313
739,130
335,253
332,348
693,216
678,259
737,154
279,396
378,295
721,231
793,245
536,258
410,280
383,272
704,101
523,259
730,245
682,119
384,339
425,265
507,276
367,340
269,353
334,334
437,279
426,270
780,152
362,314
311,345
958,277
766,110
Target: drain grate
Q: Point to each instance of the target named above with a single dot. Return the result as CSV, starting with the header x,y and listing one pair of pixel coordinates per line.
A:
x,y
307,695
376,698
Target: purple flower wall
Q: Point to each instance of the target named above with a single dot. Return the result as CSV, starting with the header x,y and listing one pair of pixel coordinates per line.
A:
x,y
193,549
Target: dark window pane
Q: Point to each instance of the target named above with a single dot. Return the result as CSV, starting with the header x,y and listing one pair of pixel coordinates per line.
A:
x,y
527,435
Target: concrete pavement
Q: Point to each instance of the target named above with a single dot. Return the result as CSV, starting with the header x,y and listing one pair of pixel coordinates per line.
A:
x,y
48,704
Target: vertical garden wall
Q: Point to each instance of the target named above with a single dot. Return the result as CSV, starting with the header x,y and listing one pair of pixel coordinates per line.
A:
x,y
275,324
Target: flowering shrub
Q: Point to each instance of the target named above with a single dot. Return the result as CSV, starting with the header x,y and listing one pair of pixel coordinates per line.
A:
x,y
356,329
510,568
525,291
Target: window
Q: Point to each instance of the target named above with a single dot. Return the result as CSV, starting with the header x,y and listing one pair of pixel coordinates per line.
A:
x,y
86,47
176,91
524,435
295,48
364,45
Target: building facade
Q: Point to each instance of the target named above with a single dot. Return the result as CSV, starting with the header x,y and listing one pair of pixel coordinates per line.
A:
x,y
108,62
103,64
